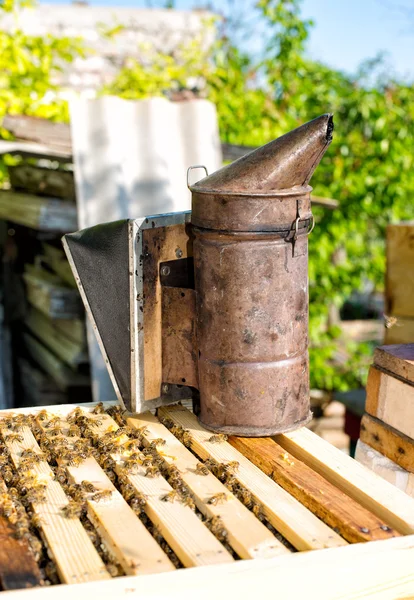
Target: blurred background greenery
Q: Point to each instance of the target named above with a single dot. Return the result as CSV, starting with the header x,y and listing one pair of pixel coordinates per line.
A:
x,y
260,95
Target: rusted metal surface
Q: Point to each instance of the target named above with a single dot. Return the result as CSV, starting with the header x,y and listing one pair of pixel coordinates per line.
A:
x,y
250,250
179,361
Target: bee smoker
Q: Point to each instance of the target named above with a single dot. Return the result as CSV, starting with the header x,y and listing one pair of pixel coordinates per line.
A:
x,y
213,304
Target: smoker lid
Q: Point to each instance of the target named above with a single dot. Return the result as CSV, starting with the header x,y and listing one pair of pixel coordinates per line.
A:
x,y
286,163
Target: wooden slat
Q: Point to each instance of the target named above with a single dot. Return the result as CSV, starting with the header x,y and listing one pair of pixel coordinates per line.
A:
x,y
18,568
377,495
44,214
336,509
390,400
69,351
189,538
390,442
385,468
124,534
295,522
68,543
253,539
397,359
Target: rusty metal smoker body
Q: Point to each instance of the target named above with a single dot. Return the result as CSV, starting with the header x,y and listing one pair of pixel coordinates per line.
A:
x,y
213,303
251,280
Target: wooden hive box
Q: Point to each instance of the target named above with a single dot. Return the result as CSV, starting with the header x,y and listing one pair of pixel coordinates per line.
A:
x,y
292,514
386,442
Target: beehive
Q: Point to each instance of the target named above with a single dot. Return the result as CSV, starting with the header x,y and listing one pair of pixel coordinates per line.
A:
x,y
156,495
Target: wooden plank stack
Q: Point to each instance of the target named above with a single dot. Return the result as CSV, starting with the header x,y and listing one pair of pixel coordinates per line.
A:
x,y
386,442
48,329
106,494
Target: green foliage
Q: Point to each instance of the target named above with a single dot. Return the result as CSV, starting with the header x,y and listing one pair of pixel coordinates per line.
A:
x,y
369,167
28,67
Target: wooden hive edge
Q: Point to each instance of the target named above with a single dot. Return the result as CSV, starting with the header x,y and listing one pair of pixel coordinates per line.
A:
x,y
381,569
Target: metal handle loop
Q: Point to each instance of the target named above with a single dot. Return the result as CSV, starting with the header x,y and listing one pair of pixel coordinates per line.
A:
x,y
195,167
312,226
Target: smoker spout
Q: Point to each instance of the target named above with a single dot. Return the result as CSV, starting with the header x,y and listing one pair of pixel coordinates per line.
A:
x,y
285,163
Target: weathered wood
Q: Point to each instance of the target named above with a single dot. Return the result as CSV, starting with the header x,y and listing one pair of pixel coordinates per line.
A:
x,y
64,377
253,540
58,262
336,509
390,400
378,496
125,536
51,298
18,568
385,468
68,543
56,183
295,522
399,281
69,351
32,211
190,539
390,442
37,129
397,359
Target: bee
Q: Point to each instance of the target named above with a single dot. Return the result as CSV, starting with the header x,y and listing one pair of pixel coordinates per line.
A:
x,y
60,475
231,467
21,530
14,437
112,569
258,511
170,497
75,460
97,421
7,506
36,547
138,502
390,322
219,498
177,430
102,495
216,526
72,510
211,464
152,471
246,497
188,501
218,439
167,422
7,474
131,445
36,521
156,533
73,431
201,469
88,486
231,483
51,573
99,409
30,455
157,442
36,495
108,463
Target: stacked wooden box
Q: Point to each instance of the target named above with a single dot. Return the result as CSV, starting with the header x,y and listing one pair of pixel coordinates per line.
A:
x,y
42,304
386,442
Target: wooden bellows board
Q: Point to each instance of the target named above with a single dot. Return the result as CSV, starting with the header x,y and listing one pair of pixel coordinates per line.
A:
x,y
387,430
160,494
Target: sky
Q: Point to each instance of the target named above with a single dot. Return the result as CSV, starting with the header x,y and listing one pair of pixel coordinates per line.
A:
x,y
346,32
